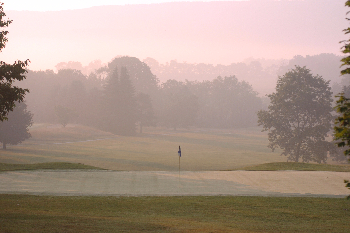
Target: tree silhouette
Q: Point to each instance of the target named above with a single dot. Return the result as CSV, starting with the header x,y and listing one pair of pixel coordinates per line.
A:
x,y
15,129
145,112
120,104
9,73
299,116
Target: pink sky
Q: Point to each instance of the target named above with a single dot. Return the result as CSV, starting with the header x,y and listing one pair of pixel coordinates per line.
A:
x,y
208,32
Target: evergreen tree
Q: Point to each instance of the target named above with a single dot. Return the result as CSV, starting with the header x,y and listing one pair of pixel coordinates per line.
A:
x,y
111,103
127,104
342,122
139,73
120,104
15,129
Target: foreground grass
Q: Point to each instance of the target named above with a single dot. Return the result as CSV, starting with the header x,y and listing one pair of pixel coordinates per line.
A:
x,y
298,167
40,166
22,213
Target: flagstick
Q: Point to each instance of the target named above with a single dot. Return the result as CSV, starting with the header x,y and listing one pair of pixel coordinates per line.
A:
x,y
179,165
179,154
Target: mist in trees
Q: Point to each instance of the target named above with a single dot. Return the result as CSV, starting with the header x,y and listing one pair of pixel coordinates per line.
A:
x,y
124,96
125,92
119,111
261,73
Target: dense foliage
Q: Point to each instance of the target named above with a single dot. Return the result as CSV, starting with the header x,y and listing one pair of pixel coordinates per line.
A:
x,y
126,93
119,111
15,129
342,122
299,116
9,73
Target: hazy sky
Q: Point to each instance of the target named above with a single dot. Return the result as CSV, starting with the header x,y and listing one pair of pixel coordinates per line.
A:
x,y
215,32
45,5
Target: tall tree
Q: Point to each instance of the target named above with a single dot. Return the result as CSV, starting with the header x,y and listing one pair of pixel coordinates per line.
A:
x,y
9,73
145,112
139,73
234,103
120,103
127,104
15,129
342,122
299,116
111,102
179,106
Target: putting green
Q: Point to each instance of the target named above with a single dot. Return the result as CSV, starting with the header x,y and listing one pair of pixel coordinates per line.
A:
x,y
146,183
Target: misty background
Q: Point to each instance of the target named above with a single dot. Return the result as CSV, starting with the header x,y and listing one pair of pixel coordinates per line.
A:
x,y
187,64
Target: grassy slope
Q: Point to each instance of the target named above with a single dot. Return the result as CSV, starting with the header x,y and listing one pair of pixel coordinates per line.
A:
x,y
155,150
19,213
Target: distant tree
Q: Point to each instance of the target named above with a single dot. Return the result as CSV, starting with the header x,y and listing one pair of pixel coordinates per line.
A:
x,y
120,104
179,105
342,122
15,129
299,116
69,65
94,109
77,100
128,106
234,103
64,77
139,73
145,112
325,64
64,115
111,102
225,102
9,94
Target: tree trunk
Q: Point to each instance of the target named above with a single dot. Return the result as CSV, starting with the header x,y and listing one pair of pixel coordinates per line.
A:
x,y
140,126
4,145
298,153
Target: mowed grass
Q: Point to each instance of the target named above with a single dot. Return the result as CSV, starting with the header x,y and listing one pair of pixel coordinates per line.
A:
x,y
154,150
41,166
283,166
280,166
25,213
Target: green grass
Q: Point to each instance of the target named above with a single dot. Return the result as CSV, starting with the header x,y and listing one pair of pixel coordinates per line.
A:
x,y
281,166
39,166
22,213
154,150
298,167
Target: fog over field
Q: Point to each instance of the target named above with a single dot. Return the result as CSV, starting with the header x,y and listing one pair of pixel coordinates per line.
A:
x,y
183,40
122,69
174,116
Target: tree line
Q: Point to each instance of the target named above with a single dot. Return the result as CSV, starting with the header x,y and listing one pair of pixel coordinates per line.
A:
x,y
127,92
